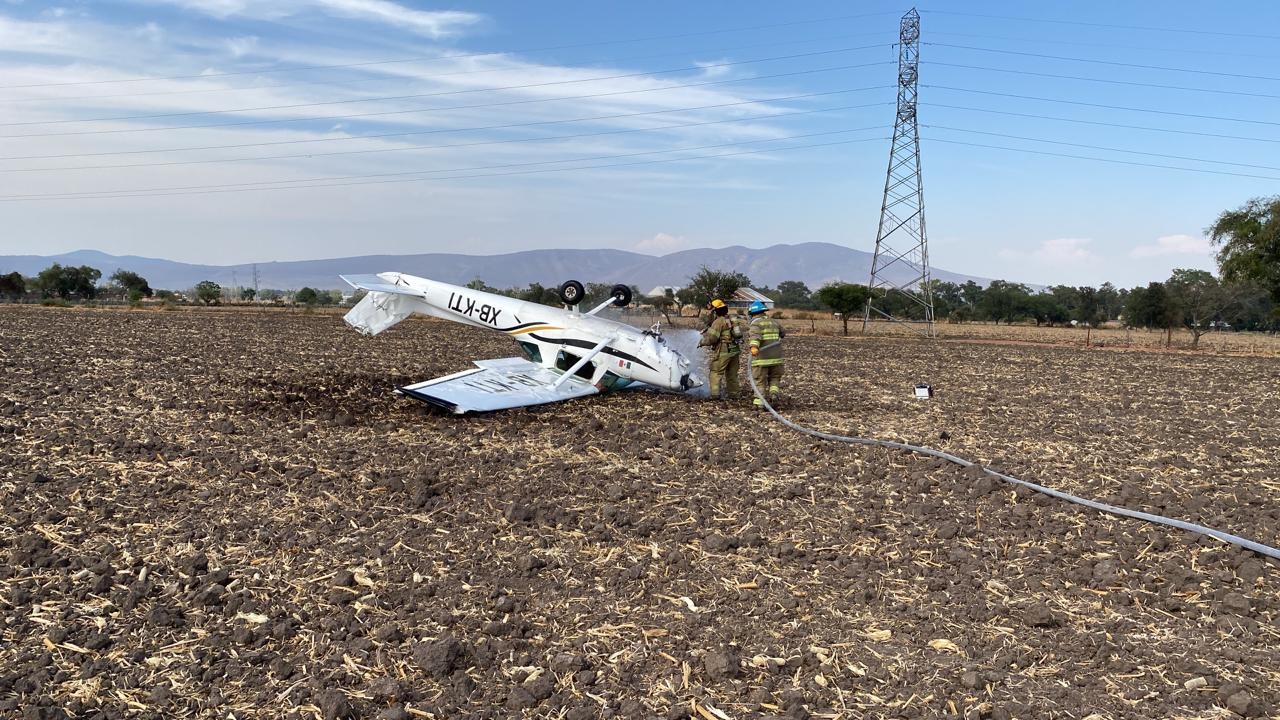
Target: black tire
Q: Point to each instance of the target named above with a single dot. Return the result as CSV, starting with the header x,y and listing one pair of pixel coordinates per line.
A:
x,y
571,292
621,295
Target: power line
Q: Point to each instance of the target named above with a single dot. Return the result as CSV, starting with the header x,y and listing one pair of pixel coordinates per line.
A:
x,y
1101,123
417,77
1107,62
1114,46
416,96
1128,83
407,148
384,113
422,172
449,57
1105,160
435,131
1102,105
1102,25
1102,148
105,196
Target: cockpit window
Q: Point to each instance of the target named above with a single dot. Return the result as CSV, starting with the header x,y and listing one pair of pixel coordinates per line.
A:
x,y
531,351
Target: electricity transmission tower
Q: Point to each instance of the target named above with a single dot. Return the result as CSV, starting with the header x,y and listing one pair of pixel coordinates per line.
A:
x,y
900,286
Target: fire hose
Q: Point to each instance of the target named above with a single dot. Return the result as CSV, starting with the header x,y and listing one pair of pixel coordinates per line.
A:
x,y
1093,504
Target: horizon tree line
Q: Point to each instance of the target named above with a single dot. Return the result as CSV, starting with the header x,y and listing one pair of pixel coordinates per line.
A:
x,y
1244,296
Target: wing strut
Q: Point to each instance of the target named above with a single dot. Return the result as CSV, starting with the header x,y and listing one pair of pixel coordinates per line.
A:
x,y
582,361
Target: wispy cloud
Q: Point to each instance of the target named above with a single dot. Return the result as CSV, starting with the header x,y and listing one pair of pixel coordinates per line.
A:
x,y
1068,251
1173,245
431,23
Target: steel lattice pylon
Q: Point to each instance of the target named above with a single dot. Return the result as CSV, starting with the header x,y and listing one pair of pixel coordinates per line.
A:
x,y
903,273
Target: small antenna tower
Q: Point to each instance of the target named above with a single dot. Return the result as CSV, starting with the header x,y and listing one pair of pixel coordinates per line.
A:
x,y
900,268
255,279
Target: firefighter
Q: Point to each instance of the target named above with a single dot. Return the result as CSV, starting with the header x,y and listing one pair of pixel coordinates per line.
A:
x,y
719,338
765,335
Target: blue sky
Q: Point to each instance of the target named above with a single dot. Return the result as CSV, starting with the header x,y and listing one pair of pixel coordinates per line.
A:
x,y
1076,145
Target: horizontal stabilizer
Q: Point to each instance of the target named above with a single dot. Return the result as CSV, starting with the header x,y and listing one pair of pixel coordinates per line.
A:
x,y
498,385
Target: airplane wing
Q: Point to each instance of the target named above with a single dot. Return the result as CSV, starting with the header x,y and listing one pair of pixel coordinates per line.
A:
x,y
373,283
498,385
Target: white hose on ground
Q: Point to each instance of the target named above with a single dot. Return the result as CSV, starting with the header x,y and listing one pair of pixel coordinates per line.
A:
x,y
1094,504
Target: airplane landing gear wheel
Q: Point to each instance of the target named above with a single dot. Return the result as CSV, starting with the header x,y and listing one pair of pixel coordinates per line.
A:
x,y
571,292
621,295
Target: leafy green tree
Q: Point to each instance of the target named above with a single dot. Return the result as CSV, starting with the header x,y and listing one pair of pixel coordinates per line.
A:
x,y
66,281
1003,300
666,302
1198,299
1089,311
481,285
1110,301
13,286
1150,307
946,298
1249,237
306,296
208,292
845,298
1046,309
247,294
356,297
707,284
793,294
537,293
1253,309
130,282
972,294
270,295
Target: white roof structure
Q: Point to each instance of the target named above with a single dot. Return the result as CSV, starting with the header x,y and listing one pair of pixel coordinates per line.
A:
x,y
743,297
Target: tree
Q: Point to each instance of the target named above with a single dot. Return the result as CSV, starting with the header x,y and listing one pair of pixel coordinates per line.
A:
x,y
131,282
1046,308
946,297
13,286
481,285
306,296
1198,299
1250,244
1089,311
247,294
208,292
794,294
1110,301
707,284
845,298
67,281
664,302
1003,300
537,293
1150,307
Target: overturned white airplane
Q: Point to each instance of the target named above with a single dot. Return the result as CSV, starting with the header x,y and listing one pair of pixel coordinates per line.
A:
x,y
567,354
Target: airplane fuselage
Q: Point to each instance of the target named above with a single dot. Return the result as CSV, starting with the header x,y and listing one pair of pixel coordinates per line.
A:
x,y
617,354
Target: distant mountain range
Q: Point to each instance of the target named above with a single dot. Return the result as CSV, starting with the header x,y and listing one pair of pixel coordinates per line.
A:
x,y
815,264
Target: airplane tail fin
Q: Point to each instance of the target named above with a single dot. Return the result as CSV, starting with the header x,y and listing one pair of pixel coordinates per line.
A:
x,y
379,311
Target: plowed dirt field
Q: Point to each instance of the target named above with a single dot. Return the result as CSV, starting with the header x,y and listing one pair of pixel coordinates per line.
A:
x,y
229,515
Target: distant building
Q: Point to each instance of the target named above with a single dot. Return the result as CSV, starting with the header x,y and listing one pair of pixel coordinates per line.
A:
x,y
661,291
743,297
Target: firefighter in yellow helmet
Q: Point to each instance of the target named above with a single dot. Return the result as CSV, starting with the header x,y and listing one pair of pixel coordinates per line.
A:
x,y
765,338
723,343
